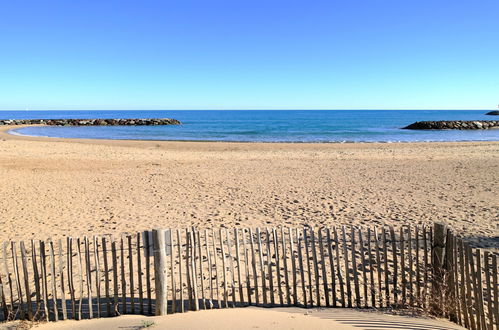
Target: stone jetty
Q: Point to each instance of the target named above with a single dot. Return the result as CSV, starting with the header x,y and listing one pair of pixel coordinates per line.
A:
x,y
493,113
454,124
93,122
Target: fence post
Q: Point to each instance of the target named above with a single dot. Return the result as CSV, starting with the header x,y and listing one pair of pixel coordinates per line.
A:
x,y
437,253
159,246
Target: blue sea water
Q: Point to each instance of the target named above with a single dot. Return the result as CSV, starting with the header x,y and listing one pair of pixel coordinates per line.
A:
x,y
266,126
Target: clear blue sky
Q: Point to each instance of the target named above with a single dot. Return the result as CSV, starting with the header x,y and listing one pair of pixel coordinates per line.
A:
x,y
237,54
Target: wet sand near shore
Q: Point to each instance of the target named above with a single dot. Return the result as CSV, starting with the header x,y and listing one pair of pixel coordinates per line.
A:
x,y
68,187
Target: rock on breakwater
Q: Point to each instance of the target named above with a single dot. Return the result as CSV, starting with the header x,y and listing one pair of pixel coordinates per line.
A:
x,y
93,122
493,113
454,124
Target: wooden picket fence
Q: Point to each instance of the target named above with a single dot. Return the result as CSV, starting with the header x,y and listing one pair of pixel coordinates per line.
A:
x,y
172,271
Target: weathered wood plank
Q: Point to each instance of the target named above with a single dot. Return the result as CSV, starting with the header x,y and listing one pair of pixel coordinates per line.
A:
x,y
147,260
354,267
464,279
231,267
338,267
309,269
61,278
323,268
313,247
123,277
114,258
26,281
247,267
302,271
17,280
131,274
488,289
160,284
293,266
238,264
191,249
253,264
395,265
210,269
495,284
386,269
180,274
347,266
364,266
418,269
172,272
262,268
402,267
9,279
71,286
43,278
377,248
201,271
97,276
140,274
224,270
285,264
106,277
269,266
278,266
331,265
53,278
371,269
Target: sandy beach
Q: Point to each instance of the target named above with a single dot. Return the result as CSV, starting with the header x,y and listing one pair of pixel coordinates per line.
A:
x,y
62,187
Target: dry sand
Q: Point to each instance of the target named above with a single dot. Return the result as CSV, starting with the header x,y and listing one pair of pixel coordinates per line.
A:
x,y
59,187
258,318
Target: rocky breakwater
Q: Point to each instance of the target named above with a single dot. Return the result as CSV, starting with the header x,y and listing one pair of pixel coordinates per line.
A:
x,y
454,124
93,122
493,113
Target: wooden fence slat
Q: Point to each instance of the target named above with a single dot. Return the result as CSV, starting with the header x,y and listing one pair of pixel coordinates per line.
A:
x,y
313,247
26,280
160,283
172,273
201,272
354,267
457,288
347,266
371,269
278,266
224,270
97,275
386,269
331,264
43,279
147,260
17,280
410,269
247,266
490,308
210,268
464,279
131,274
426,268
479,281
88,277
3,299
364,265
215,256
114,258
9,279
496,289
323,269
402,267
300,262
180,274
474,280
338,267
253,264
61,277
123,277
238,263
106,277
450,299
395,265
139,275
285,264
309,269
293,266
469,281
262,268
191,249
418,269
71,286
231,267
377,248
269,266
53,280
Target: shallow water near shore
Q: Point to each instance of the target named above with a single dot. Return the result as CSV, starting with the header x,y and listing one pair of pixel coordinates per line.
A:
x,y
265,125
